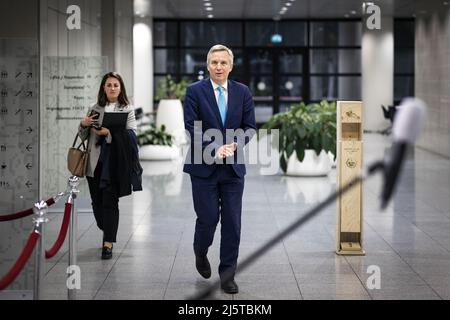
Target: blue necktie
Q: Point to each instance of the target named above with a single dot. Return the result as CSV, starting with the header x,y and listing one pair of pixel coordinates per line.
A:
x,y
222,104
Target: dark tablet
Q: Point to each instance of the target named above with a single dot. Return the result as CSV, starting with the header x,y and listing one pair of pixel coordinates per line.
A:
x,y
115,120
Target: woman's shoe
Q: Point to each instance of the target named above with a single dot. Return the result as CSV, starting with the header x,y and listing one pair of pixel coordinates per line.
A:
x,y
106,253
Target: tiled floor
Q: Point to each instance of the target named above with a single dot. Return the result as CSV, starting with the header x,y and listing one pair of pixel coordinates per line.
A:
x,y
153,258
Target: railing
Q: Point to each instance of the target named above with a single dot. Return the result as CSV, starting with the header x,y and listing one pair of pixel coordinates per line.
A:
x,y
37,237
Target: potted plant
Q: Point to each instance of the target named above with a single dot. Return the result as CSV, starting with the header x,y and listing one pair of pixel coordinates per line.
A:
x,y
170,95
307,134
156,144
169,89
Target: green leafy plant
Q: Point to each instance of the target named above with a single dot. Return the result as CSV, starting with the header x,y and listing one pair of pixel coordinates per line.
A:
x,y
311,126
169,89
154,136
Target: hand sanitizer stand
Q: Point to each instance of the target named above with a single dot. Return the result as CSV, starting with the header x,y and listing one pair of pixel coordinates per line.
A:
x,y
349,164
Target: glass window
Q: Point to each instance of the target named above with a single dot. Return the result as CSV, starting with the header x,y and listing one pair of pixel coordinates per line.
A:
x,y
194,61
156,81
165,61
291,88
349,88
191,78
261,87
164,33
290,62
238,65
335,61
403,87
404,33
263,112
333,88
208,33
323,88
293,33
404,60
259,33
335,33
260,62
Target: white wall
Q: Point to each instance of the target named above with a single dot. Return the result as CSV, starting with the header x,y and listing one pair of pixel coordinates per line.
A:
x,y
18,52
143,64
377,73
123,43
432,76
56,40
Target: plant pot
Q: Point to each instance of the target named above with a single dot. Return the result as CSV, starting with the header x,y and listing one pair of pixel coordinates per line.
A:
x,y
309,191
312,165
170,114
333,162
158,152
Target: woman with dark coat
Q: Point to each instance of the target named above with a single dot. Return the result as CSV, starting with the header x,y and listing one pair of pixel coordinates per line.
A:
x,y
113,168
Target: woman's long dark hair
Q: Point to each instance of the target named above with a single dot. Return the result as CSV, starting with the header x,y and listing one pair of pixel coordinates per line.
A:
x,y
102,99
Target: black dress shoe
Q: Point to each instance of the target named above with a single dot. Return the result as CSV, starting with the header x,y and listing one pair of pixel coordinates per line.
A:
x,y
230,287
203,266
106,253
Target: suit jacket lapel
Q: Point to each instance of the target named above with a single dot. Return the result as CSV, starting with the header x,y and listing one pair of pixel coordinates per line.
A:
x,y
209,91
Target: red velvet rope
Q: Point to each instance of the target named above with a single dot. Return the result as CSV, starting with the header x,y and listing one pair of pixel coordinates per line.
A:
x,y
62,233
23,213
20,263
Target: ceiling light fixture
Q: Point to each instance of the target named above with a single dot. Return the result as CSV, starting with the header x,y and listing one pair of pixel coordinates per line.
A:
x,y
209,8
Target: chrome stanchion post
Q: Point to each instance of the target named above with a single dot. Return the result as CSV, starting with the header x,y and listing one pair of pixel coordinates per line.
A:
x,y
73,184
40,218
59,196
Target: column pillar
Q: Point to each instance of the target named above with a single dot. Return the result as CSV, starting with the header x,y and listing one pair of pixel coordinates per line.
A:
x,y
377,49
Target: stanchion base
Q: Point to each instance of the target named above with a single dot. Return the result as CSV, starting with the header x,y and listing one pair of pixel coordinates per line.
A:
x,y
351,253
351,248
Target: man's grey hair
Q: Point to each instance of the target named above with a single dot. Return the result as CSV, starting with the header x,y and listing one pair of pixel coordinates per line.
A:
x,y
219,47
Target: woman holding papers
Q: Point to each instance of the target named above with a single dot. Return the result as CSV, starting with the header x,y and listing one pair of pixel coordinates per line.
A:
x,y
113,168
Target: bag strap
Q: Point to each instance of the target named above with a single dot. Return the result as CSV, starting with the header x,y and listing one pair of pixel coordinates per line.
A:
x,y
81,143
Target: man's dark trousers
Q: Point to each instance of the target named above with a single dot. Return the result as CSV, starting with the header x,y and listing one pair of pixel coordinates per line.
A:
x,y
219,196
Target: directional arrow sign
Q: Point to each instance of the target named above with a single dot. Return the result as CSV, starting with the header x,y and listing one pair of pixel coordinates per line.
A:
x,y
29,166
29,130
28,184
28,147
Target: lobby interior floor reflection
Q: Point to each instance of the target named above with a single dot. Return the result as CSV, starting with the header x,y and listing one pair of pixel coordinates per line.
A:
x,y
154,259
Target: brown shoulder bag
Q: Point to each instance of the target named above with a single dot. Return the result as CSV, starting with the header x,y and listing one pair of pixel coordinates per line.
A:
x,y
77,158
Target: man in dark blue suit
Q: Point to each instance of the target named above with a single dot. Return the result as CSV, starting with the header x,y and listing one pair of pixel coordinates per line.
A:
x,y
219,115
